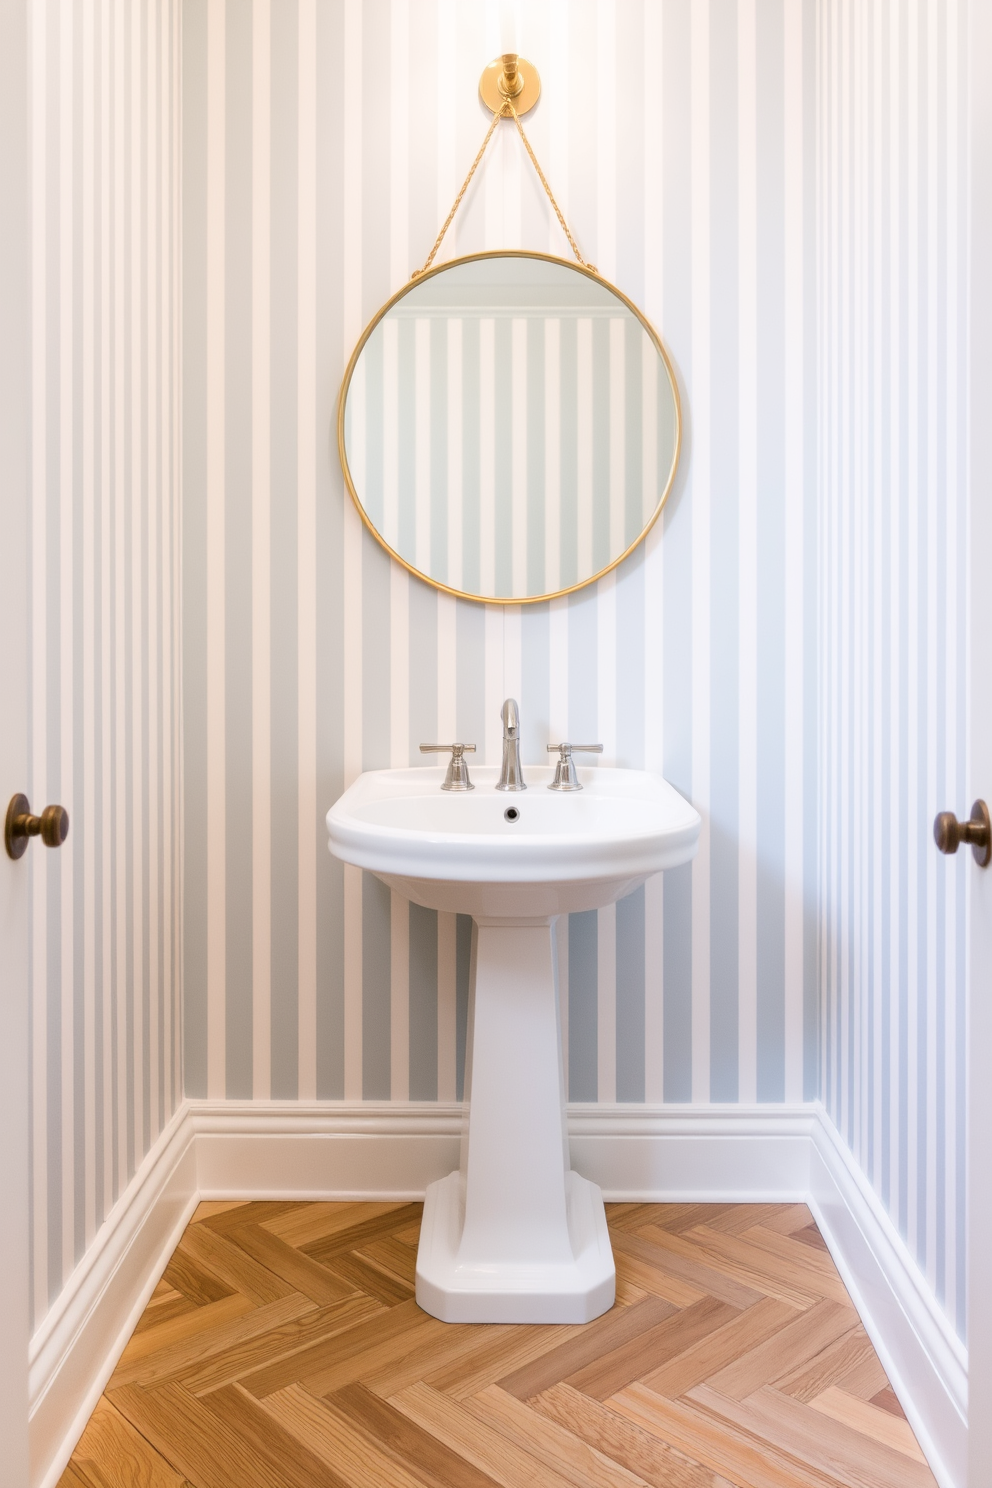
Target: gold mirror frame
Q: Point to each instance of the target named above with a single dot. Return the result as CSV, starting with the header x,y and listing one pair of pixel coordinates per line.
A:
x,y
414,283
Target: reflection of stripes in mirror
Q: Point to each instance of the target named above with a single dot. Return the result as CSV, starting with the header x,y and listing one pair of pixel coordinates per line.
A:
x,y
552,455
584,448
650,411
487,457
618,436
422,446
518,457
455,457
509,454
390,434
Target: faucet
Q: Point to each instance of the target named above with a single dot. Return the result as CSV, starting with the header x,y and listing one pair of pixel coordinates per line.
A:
x,y
510,775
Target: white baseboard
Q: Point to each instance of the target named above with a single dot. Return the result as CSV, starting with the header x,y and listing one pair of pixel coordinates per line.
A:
x,y
342,1151
75,1348
913,1337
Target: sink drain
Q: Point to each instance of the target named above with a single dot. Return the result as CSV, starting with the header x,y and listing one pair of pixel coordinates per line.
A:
x,y
511,814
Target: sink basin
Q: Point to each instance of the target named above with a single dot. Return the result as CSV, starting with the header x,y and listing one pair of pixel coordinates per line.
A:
x,y
514,1236
561,852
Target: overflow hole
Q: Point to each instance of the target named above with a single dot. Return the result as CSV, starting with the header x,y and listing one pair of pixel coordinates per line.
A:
x,y
511,814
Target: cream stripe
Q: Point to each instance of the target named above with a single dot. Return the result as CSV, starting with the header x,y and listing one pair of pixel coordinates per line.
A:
x,y
895,273
88,929
913,638
106,1198
399,662
747,743
618,435
700,506
518,455
39,650
261,526
954,712
216,915
878,765
513,685
794,536
351,299
153,561
654,608
66,604
491,744
139,758
604,102
584,452
121,970
934,702
399,144
487,457
422,445
454,454
306,529
552,455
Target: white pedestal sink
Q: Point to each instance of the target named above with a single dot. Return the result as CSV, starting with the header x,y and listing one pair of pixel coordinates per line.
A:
x,y
514,1236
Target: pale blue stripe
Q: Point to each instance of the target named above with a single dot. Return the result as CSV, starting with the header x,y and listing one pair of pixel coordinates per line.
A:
x,y
423,1003
770,1075
194,538
630,997
330,568
283,571
238,558
376,972
677,551
724,581
583,1068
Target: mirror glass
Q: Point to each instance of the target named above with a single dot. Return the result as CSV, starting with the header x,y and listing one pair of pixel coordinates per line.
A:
x,y
509,426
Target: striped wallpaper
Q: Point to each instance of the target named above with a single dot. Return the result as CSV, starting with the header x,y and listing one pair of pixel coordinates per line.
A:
x,y
892,537
510,451
104,609
323,145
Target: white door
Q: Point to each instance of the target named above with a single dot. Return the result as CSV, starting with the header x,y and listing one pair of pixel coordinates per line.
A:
x,y
13,743
980,686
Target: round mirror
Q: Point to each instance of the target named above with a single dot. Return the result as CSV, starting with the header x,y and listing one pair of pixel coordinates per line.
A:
x,y
509,426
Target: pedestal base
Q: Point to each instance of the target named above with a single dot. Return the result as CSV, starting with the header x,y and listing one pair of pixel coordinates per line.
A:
x,y
572,1290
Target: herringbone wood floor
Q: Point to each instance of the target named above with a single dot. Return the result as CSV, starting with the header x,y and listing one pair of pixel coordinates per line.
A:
x,y
283,1348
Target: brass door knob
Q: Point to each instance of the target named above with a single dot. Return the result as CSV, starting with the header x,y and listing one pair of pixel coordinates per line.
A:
x,y
52,826
949,833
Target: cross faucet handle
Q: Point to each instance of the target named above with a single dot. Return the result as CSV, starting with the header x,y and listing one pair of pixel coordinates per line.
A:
x,y
457,778
566,778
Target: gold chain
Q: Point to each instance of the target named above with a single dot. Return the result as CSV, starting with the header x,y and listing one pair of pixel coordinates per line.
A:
x,y
544,183
472,169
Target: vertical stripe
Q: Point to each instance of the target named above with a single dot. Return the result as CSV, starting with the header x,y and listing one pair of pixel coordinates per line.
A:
x,y
700,1026
310,819
216,916
261,753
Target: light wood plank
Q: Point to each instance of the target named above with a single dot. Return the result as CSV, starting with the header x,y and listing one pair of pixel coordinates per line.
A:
x,y
247,1322
848,1455
118,1456
749,1461
796,1344
355,1456
595,1341
474,1439
862,1416
624,1442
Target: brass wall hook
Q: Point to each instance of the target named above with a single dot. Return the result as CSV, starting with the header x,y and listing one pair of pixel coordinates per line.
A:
x,y
510,76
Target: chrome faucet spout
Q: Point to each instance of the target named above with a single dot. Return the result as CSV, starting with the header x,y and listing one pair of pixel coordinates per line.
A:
x,y
511,775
